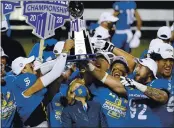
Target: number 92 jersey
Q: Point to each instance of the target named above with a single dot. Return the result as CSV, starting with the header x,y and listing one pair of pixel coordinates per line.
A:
x,y
126,11
142,111
167,113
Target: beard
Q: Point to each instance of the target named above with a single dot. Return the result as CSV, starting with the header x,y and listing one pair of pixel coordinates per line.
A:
x,y
142,80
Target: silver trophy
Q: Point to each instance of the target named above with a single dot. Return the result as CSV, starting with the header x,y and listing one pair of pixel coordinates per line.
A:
x,y
83,49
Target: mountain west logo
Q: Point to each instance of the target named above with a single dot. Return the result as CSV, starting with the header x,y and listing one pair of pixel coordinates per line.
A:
x,y
8,106
8,6
45,16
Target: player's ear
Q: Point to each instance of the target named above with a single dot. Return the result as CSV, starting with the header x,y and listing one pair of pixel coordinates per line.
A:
x,y
23,70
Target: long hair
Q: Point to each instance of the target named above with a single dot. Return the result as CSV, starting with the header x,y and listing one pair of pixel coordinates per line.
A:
x,y
71,85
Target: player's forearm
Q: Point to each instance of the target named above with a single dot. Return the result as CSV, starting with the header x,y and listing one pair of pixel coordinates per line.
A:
x,y
38,85
130,59
108,80
115,85
96,72
139,21
157,95
48,78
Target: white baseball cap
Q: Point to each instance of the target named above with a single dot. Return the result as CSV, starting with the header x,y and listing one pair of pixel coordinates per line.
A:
x,y
154,45
101,33
107,55
166,51
4,24
19,63
2,53
164,32
155,42
58,47
151,64
107,16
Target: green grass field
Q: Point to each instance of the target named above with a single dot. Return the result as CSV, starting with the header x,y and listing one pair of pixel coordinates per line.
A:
x,y
27,44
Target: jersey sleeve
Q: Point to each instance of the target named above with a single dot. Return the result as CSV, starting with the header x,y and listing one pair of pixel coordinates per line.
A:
x,y
35,50
160,84
134,4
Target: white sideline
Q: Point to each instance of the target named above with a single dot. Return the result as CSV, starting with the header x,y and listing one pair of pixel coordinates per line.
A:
x,y
93,14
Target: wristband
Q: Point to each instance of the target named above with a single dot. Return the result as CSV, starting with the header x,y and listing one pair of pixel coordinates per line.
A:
x,y
91,67
141,87
104,78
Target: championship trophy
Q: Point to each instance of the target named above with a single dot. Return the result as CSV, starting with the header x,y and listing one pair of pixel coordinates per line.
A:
x,y
83,49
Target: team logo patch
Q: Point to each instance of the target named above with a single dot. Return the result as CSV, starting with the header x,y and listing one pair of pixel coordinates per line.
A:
x,y
21,64
115,109
80,91
45,16
8,106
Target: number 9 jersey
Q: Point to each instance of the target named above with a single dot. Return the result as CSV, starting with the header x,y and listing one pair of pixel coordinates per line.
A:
x,y
126,11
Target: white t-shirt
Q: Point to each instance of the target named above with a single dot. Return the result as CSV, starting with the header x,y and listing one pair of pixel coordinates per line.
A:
x,y
101,33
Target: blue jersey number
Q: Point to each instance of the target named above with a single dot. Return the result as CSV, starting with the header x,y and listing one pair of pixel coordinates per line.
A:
x,y
170,104
133,110
130,16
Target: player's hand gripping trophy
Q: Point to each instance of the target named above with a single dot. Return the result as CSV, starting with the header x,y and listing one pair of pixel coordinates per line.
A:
x,y
82,47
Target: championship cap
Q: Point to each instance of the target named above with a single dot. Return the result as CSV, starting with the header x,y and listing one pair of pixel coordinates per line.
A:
x,y
107,16
164,32
107,55
19,63
151,64
165,50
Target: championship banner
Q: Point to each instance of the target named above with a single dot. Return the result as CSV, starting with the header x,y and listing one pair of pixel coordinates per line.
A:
x,y
8,6
45,16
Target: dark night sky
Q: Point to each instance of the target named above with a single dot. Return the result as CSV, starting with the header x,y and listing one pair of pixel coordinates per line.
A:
x,y
140,4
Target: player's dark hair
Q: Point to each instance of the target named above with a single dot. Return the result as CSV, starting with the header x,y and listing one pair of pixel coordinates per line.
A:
x,y
155,56
151,74
119,61
101,56
164,40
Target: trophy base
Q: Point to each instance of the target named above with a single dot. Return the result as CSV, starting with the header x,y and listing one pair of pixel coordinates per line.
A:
x,y
81,57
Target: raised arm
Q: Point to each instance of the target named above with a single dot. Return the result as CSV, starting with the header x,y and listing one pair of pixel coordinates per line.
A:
x,y
48,78
56,71
129,58
139,21
108,80
155,94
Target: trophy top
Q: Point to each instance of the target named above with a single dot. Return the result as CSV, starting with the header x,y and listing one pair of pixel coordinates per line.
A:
x,y
76,9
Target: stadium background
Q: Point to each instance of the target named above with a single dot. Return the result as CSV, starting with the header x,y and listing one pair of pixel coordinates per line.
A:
x,y
154,14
